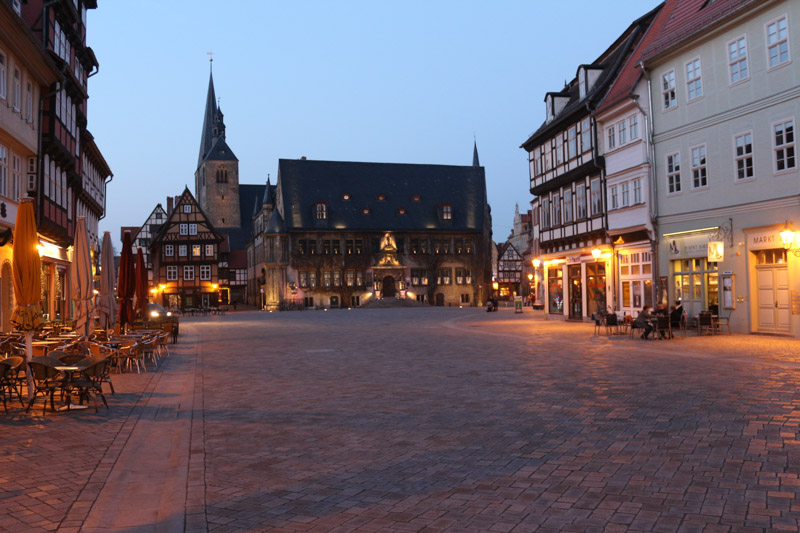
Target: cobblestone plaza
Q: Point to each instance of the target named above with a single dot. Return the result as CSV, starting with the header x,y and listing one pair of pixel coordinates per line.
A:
x,y
425,419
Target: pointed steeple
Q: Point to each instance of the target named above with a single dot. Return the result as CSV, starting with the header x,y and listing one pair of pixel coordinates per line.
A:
x,y
475,161
207,135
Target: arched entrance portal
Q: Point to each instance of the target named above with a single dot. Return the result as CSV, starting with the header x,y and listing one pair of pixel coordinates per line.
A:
x,y
387,287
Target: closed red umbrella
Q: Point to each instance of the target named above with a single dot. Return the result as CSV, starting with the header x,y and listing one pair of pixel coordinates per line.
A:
x,y
126,284
141,286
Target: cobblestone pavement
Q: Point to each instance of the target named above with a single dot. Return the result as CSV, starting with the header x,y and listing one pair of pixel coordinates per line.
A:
x,y
421,420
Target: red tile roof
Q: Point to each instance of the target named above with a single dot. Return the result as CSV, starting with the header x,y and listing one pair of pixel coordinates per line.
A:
x,y
630,72
691,17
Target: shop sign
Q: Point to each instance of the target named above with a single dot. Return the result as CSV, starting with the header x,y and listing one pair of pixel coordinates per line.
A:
x,y
764,240
688,246
716,251
573,259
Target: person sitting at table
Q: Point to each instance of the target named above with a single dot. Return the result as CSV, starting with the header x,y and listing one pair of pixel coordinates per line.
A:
x,y
661,309
643,322
676,315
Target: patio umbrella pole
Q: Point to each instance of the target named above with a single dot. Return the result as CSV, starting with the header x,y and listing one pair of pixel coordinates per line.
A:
x,y
29,354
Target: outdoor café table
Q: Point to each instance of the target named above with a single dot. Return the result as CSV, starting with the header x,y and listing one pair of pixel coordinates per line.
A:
x,y
68,371
46,345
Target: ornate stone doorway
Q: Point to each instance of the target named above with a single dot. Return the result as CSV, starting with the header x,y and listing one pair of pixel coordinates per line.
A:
x,y
388,289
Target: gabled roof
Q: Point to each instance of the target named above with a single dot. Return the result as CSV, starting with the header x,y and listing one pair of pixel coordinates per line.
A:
x,y
629,75
151,220
692,17
185,197
610,62
305,183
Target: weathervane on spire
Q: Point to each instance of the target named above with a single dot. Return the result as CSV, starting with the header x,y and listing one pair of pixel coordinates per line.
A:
x,y
210,60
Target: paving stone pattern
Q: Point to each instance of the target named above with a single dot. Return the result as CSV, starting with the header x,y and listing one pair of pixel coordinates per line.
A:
x,y
420,420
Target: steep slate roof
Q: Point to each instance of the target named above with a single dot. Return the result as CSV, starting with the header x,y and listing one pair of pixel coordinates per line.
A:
x,y
691,17
630,73
475,161
208,121
220,151
610,62
275,224
304,183
248,195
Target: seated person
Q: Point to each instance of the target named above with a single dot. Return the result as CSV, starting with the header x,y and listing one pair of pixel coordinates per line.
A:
x,y
643,322
676,315
661,309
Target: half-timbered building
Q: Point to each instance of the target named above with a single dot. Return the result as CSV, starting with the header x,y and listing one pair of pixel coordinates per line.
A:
x,y
567,180
186,255
509,271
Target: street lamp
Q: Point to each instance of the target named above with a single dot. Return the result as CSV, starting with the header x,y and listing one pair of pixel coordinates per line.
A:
x,y
596,253
536,262
788,237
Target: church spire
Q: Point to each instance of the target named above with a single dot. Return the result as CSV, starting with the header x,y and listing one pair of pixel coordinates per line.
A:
x,y
475,161
207,136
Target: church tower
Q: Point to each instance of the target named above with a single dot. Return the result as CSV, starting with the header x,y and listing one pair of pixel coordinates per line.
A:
x,y
217,174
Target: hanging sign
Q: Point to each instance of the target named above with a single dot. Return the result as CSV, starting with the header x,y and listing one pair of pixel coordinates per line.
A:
x,y
716,251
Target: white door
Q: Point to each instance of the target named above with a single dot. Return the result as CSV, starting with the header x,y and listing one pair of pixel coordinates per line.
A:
x,y
773,298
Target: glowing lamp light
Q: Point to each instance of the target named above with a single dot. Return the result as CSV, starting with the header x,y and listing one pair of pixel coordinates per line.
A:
x,y
214,286
596,253
536,262
495,285
153,291
96,291
787,237
530,277
154,314
162,286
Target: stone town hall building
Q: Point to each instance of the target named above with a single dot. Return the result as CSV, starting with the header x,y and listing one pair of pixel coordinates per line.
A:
x,y
336,234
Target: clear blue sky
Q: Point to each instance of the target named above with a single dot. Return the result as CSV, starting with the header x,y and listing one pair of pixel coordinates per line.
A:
x,y
398,82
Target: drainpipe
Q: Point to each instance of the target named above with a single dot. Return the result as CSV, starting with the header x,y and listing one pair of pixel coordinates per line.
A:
x,y
651,156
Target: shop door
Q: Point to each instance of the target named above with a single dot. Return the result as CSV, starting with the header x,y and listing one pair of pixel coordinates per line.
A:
x,y
205,301
575,292
773,298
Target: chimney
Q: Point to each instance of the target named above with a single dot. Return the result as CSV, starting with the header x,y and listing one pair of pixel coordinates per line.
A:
x,y
303,158
169,205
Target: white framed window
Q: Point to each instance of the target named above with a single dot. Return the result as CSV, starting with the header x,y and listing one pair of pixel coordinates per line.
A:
x,y
614,197
597,197
699,170
16,177
626,194
322,211
622,133
169,250
637,191
184,229
447,212
196,249
187,208
545,213
3,76
633,127
743,148
694,80
611,136
783,145
205,272
17,90
580,201
172,273
668,90
674,173
555,206
568,210
737,60
29,102
188,272
192,229
209,250
572,142
182,250
586,135
3,170
778,42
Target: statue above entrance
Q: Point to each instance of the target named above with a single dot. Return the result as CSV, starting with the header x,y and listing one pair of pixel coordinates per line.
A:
x,y
388,243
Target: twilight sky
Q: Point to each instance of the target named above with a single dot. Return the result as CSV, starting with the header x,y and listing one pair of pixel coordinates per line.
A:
x,y
396,82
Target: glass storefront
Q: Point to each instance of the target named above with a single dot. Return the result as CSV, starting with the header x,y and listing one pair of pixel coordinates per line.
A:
x,y
636,283
555,290
596,287
696,284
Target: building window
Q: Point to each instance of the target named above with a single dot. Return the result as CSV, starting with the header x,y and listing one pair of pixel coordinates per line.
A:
x,y
737,60
169,250
349,278
636,280
580,201
443,276
572,142
419,278
17,90
637,191
463,276
784,145
355,301
188,273
3,76
696,279
614,197
586,135
555,205
192,229
182,250
337,278
312,279
668,90
366,211
674,173
209,250
322,212
381,197
187,208
205,272
196,249
447,212
778,42
184,229
172,273
307,246
626,194
545,213
744,155
699,176
401,210
633,127
359,278
694,80
611,136
302,279
28,102
568,210
555,290
308,301
465,298
3,170
597,198
326,278
622,133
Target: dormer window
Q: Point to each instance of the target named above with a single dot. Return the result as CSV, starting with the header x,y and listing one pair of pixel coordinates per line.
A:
x,y
416,198
187,208
346,196
582,82
381,197
401,211
447,212
321,211
366,211
549,108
